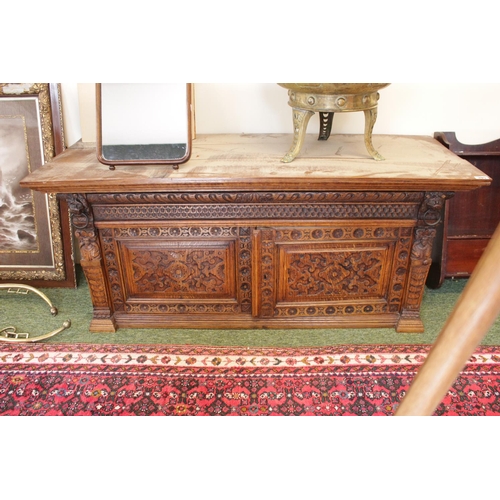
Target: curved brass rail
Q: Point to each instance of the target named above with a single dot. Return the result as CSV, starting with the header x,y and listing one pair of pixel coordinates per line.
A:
x,y
9,334
24,290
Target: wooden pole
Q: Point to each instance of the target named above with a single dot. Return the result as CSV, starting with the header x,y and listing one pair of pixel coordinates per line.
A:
x,y
472,317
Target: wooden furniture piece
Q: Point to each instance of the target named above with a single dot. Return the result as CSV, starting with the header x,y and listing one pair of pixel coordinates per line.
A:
x,y
470,218
237,239
473,315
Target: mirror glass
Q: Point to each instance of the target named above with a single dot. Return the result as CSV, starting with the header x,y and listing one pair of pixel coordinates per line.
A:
x,y
143,123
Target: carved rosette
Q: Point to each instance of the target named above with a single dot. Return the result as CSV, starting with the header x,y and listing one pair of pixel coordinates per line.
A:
x,y
109,252
268,266
245,269
401,264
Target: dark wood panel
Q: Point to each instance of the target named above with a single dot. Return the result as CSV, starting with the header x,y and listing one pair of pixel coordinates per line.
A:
x,y
470,218
477,213
463,254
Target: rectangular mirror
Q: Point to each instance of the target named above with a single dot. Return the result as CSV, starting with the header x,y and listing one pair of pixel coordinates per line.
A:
x,y
143,123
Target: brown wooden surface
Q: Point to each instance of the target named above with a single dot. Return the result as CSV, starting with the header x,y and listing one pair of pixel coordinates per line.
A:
x,y
470,320
470,217
250,162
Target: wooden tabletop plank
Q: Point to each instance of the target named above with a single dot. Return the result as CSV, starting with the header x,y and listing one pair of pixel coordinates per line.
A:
x,y
252,162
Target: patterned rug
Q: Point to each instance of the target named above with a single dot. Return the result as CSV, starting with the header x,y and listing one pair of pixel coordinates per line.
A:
x,y
83,379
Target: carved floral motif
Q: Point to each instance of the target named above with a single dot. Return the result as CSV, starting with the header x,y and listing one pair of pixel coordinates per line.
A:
x,y
193,272
322,275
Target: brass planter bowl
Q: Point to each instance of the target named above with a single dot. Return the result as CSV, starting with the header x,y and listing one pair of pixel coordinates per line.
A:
x,y
328,99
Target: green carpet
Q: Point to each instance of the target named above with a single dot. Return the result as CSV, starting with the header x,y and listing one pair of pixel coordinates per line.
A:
x,y
29,313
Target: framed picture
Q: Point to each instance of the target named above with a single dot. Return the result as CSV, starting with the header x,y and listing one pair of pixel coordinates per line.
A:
x,y
35,235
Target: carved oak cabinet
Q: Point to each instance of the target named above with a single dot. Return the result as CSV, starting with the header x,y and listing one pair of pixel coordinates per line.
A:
x,y
237,239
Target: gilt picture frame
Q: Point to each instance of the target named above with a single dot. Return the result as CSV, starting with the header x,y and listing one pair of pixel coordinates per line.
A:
x,y
36,244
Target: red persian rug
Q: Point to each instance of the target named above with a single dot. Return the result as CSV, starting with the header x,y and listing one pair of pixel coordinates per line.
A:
x,y
82,379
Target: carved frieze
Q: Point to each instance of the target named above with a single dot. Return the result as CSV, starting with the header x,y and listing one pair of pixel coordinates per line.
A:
x,y
259,205
258,197
273,211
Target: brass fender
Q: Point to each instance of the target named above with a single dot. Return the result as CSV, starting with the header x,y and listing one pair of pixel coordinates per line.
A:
x,y
9,334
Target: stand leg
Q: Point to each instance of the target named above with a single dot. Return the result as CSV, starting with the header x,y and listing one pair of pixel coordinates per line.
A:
x,y
300,120
325,125
370,119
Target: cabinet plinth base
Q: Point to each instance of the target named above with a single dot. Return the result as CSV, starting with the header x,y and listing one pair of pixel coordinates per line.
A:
x,y
103,326
410,325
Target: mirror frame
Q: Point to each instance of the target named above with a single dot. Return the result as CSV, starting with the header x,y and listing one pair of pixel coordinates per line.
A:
x,y
175,162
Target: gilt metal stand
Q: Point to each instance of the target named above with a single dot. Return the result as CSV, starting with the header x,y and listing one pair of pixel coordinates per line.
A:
x,y
328,99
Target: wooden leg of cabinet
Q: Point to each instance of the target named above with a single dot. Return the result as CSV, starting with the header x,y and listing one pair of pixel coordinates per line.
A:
x,y
102,325
409,322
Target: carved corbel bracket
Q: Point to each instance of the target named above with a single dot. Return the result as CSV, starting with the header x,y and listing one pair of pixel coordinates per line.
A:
x,y
91,262
431,210
80,210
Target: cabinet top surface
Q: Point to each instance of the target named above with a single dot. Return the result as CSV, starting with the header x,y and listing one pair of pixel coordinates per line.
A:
x,y
253,162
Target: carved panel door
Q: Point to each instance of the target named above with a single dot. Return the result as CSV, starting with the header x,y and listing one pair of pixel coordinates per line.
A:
x,y
331,270
178,270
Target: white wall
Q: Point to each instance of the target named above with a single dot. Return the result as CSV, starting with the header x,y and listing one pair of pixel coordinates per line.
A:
x,y
472,110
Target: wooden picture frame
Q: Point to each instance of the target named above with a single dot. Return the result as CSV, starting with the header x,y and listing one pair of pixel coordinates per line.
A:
x,y
36,243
